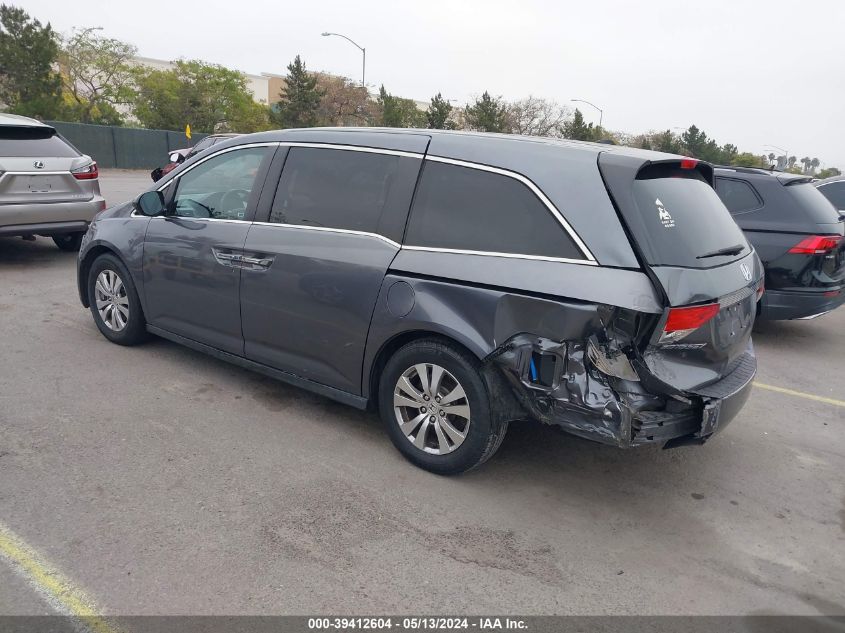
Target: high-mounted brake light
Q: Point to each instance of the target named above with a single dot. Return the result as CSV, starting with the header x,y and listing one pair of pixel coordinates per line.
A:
x,y
88,172
816,244
684,321
688,163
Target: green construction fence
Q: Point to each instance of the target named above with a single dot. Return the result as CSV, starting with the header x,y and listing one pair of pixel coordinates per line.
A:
x,y
124,147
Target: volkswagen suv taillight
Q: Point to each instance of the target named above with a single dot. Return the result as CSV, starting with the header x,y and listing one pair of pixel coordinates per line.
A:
x,y
816,244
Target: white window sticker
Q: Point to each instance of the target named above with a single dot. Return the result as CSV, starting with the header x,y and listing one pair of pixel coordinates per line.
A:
x,y
665,217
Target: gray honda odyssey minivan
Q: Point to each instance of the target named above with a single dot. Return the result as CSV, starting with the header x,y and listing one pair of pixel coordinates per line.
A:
x,y
454,281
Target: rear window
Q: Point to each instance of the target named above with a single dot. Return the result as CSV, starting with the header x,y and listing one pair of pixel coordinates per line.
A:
x,y
681,221
813,203
26,142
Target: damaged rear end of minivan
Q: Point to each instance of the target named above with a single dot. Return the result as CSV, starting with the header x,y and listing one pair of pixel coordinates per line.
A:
x,y
670,378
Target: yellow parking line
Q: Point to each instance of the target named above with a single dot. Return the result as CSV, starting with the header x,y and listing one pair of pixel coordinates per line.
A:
x,y
801,394
47,581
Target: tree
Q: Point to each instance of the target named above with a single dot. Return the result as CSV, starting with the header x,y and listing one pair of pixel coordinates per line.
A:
x,y
28,84
208,97
829,172
438,114
806,162
729,153
537,117
579,130
642,141
399,112
666,142
747,159
344,102
97,74
300,98
695,141
487,114
814,164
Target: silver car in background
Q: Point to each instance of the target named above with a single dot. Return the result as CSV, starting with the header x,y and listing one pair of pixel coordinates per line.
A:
x,y
47,187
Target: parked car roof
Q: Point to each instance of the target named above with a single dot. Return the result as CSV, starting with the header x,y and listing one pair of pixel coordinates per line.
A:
x,y
20,121
456,140
783,177
825,181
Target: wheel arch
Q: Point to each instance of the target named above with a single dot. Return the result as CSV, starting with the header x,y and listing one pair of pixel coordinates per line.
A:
x,y
399,340
87,261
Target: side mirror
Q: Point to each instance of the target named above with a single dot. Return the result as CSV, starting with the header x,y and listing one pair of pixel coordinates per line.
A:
x,y
151,203
175,157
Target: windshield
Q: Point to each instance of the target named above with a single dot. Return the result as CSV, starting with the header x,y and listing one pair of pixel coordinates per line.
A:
x,y
682,222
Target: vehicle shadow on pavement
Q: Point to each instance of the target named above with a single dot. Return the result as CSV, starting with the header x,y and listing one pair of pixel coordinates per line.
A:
x,y
15,251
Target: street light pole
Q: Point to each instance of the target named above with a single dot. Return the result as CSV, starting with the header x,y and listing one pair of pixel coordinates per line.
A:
x,y
363,53
785,154
601,112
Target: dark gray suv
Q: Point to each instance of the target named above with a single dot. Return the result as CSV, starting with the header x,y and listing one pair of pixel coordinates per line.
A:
x,y
456,282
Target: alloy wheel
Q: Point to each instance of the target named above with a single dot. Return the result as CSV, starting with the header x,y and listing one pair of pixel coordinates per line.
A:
x,y
431,408
111,299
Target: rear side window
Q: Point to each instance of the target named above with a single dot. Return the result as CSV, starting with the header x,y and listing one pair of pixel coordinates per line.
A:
x,y
681,221
737,195
36,142
813,203
469,209
835,192
338,189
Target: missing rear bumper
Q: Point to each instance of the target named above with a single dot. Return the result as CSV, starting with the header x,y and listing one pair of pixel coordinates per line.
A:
x,y
562,383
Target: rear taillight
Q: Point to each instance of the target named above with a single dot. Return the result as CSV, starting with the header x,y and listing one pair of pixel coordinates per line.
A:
x,y
816,245
760,290
88,172
684,321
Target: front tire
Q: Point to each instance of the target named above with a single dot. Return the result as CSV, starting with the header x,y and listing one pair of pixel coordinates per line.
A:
x,y
114,302
68,241
434,403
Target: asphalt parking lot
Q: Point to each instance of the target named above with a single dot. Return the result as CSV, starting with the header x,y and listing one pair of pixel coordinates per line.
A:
x,y
161,481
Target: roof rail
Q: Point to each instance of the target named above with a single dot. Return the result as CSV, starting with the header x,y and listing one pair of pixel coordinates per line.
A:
x,y
747,170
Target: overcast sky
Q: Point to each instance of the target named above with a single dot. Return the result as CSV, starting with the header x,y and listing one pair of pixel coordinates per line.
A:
x,y
747,72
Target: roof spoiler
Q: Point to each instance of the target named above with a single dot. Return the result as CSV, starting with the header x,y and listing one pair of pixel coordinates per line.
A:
x,y
793,179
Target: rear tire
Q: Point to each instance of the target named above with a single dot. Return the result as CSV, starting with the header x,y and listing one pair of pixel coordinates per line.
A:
x,y
68,241
456,431
114,302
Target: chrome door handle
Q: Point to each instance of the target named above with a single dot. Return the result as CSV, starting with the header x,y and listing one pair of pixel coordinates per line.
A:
x,y
257,262
226,259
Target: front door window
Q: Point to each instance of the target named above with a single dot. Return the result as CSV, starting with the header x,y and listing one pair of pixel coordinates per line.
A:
x,y
219,188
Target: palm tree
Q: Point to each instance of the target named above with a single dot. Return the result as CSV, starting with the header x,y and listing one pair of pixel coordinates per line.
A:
x,y
806,162
813,165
